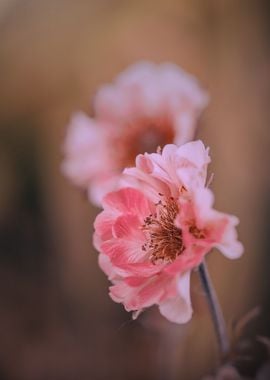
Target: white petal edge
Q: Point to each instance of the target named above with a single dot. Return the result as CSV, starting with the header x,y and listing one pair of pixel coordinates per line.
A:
x,y
179,309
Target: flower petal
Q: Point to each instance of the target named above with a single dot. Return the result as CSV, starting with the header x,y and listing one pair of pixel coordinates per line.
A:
x,y
229,245
128,200
189,259
107,267
178,309
193,159
84,150
146,294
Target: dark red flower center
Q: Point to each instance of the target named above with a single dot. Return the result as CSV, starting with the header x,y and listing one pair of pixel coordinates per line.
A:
x,y
140,136
164,239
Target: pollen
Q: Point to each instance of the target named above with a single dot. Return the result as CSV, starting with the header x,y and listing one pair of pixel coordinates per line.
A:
x,y
164,239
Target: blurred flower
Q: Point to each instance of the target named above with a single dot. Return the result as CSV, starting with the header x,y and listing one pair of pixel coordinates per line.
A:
x,y
158,226
148,105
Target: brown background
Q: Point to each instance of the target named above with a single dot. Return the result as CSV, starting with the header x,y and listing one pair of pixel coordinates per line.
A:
x,y
56,319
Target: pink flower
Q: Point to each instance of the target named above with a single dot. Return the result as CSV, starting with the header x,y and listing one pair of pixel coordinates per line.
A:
x,y
87,156
158,227
148,105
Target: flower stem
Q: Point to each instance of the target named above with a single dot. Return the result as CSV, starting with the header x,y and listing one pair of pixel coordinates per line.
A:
x,y
215,310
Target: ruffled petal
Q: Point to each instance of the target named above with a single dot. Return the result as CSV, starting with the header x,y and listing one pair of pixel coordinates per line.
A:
x,y
123,251
140,294
189,259
178,309
229,245
85,154
193,159
103,225
128,200
128,226
107,267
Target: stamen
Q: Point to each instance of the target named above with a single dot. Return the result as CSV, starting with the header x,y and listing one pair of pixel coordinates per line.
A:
x,y
196,232
165,240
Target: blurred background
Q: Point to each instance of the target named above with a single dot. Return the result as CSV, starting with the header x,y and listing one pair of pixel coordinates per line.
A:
x,y
56,319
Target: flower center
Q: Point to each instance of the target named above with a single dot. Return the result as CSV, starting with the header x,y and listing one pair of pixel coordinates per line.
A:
x,y
140,136
196,232
165,240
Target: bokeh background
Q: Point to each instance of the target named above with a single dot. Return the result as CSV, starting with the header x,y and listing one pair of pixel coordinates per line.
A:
x,y
56,319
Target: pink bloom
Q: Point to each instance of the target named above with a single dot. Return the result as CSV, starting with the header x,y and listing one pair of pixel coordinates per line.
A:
x,y
148,105
87,156
158,227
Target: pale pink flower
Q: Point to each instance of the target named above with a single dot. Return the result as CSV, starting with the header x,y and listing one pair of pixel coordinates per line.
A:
x,y
147,106
158,227
88,156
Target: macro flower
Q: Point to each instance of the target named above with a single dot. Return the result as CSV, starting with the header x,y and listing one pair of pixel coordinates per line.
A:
x,y
148,105
158,226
